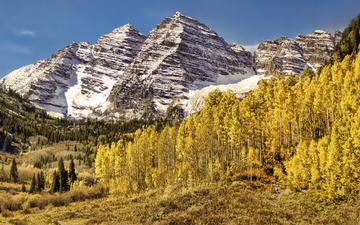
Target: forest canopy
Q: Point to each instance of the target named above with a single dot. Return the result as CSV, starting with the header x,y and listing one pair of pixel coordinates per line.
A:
x,y
304,130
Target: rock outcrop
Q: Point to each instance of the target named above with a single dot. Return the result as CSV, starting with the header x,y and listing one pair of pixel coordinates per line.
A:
x,y
77,80
128,75
180,54
288,56
280,56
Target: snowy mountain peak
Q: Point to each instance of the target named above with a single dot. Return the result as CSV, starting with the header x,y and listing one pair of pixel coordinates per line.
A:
x,y
180,15
128,75
288,56
120,33
180,20
127,26
236,47
124,29
180,55
177,14
77,80
320,32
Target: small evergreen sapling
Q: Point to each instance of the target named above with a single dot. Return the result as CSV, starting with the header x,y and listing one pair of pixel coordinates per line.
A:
x,y
13,171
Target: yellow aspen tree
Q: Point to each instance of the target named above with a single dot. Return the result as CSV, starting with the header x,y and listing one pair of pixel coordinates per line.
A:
x,y
191,154
297,168
355,154
100,170
322,146
251,162
181,155
314,162
333,166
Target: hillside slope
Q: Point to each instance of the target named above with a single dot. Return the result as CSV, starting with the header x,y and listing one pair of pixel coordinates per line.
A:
x,y
17,118
235,203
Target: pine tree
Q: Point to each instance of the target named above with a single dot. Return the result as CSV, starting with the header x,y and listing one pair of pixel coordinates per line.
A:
x,y
33,185
37,178
72,173
13,171
350,40
40,181
55,185
63,176
7,142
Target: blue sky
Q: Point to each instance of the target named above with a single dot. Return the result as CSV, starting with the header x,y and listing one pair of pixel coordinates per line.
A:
x,y
33,29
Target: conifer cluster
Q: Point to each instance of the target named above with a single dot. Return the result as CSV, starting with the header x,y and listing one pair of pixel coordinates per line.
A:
x,y
63,179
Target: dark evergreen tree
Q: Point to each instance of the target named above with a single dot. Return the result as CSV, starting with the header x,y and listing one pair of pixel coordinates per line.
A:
x,y
40,181
13,171
350,41
55,185
42,175
72,172
7,142
33,185
63,176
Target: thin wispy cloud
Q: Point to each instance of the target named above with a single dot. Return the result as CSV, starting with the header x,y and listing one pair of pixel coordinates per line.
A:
x,y
15,49
24,32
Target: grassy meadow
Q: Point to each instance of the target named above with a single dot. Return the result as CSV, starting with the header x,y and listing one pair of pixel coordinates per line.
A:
x,y
239,202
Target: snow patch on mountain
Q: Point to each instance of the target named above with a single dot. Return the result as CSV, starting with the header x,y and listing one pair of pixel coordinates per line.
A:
x,y
127,75
288,56
196,97
179,55
77,80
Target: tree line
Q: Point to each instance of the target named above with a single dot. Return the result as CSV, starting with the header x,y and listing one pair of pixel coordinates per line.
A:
x,y
62,179
19,121
304,130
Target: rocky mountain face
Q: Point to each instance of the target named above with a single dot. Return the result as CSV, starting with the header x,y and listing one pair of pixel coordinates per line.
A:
x,y
109,57
280,56
245,55
179,55
288,56
77,80
45,82
128,75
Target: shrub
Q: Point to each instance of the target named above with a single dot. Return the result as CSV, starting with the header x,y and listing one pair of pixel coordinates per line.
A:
x,y
10,203
27,201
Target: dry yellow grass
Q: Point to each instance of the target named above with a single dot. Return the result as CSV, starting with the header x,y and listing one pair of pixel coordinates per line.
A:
x,y
237,203
62,149
10,203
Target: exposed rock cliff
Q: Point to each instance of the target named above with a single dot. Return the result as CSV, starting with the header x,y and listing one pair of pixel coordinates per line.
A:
x,y
77,79
180,54
293,56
